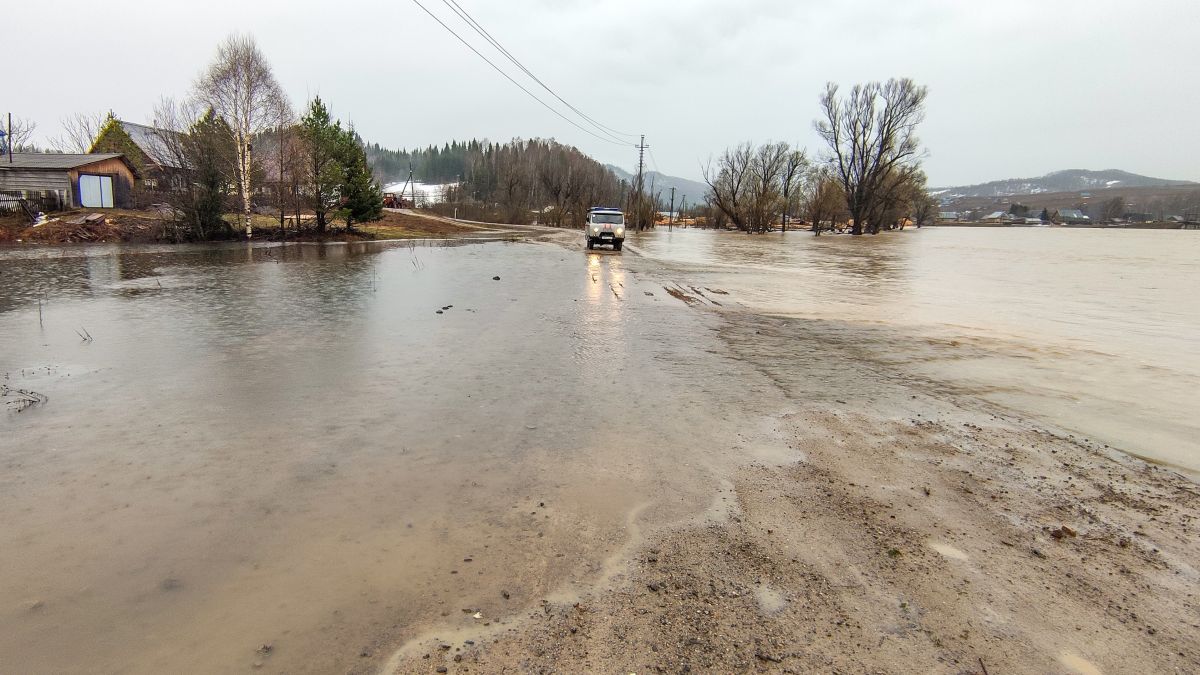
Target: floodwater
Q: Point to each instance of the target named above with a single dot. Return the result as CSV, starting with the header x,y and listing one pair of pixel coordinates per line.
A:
x,y
283,457
1095,331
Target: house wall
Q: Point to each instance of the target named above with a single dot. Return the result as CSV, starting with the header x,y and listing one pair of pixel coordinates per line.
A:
x,y
27,180
123,180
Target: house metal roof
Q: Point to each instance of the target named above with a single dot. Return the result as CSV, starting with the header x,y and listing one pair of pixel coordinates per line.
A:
x,y
52,161
150,141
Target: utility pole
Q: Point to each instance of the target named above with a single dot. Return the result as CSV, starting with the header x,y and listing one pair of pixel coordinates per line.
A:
x,y
8,139
640,181
682,205
671,213
412,186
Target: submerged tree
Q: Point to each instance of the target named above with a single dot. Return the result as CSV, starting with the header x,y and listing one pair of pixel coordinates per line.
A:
x,y
872,140
750,185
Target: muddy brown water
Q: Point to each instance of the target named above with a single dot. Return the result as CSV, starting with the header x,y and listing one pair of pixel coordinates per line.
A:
x,y
287,447
1096,331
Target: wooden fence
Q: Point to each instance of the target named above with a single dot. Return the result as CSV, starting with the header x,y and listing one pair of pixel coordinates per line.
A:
x,y
14,203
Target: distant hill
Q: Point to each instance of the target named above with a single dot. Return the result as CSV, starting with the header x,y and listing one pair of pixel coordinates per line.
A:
x,y
694,190
1070,180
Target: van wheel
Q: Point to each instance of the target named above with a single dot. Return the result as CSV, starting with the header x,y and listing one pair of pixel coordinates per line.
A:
x,y
617,245
591,244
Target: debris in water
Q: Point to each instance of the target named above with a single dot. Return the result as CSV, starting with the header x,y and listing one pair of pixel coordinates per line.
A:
x,y
477,615
20,399
495,278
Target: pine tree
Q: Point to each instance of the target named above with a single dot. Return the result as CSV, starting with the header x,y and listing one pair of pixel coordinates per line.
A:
x,y
324,167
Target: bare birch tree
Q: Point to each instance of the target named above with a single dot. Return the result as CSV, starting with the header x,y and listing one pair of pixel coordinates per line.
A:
x,y
240,87
871,136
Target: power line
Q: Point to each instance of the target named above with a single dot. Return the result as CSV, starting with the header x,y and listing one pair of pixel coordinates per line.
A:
x,y
510,79
466,16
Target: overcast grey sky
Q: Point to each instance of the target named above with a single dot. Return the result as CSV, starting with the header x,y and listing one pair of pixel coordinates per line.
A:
x,y
1017,87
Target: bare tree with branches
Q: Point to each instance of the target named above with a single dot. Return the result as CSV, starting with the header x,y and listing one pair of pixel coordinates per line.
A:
x,y
240,87
80,132
792,175
20,134
200,145
872,139
821,198
728,182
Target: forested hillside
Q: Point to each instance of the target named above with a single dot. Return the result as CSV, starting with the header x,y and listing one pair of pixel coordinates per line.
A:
x,y
512,182
430,165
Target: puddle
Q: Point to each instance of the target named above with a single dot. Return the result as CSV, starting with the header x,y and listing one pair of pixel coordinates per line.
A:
x,y
770,601
1077,665
949,551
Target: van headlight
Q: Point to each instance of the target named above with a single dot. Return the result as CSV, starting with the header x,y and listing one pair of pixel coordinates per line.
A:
x,y
595,230
620,230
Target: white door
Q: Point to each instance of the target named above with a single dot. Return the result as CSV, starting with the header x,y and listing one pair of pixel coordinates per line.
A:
x,y
95,191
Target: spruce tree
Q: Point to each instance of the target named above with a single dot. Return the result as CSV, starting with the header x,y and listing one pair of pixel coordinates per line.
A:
x,y
362,200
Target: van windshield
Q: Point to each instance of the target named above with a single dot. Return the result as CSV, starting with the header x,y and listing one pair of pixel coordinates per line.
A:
x,y
608,218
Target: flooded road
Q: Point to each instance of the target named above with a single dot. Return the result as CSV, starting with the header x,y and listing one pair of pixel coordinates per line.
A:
x,y
286,457
308,458
1096,331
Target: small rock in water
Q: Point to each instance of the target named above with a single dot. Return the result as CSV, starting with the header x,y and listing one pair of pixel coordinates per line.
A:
x,y
495,278
440,312
505,595
265,648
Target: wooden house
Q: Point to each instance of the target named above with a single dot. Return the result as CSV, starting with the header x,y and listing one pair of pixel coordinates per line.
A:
x,y
93,181
146,149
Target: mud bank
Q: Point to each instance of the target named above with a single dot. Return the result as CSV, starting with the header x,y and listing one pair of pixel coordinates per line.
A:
x,y
915,530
